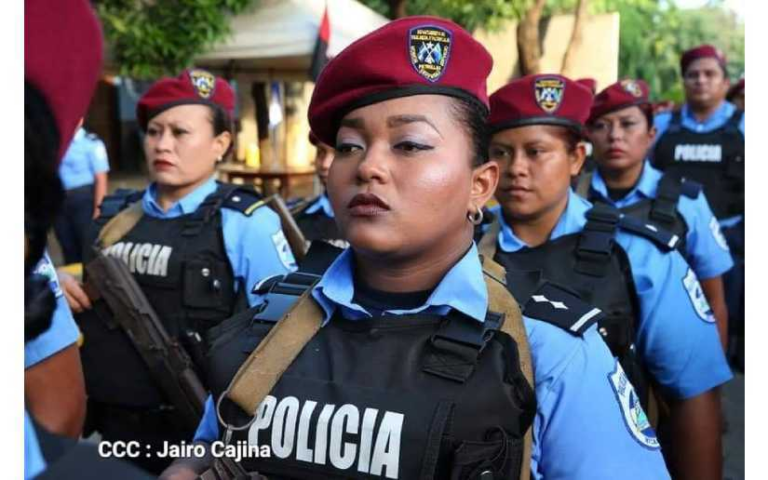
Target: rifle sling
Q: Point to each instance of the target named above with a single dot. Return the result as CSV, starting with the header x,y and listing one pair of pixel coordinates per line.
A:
x,y
119,225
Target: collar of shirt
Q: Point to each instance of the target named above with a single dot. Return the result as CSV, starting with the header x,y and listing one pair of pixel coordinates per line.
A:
x,y
646,187
718,118
79,134
572,220
462,289
185,205
322,202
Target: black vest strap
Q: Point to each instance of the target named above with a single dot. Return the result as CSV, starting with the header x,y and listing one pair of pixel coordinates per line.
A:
x,y
456,346
690,189
664,240
676,122
555,304
115,203
283,292
664,206
593,251
207,210
732,125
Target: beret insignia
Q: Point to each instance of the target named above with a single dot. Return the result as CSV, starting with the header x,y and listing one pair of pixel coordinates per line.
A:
x,y
549,93
203,81
429,48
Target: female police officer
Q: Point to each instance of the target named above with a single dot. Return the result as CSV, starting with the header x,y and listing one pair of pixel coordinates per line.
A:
x,y
409,375
196,249
652,299
621,130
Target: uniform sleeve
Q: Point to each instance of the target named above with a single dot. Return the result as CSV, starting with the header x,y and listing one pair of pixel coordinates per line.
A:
x,y
708,252
98,157
63,331
588,423
208,429
677,337
256,248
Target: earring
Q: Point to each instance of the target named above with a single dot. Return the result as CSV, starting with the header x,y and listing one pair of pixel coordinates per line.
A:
x,y
220,159
476,218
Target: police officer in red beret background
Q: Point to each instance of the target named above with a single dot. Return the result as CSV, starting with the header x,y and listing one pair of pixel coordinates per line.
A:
x,y
704,142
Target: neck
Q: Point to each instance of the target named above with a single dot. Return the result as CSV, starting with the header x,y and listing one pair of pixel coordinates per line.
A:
x,y
413,274
702,112
536,231
169,195
620,179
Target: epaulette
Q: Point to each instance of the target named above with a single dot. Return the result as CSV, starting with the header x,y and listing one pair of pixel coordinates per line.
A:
x,y
243,199
663,239
563,308
113,204
690,189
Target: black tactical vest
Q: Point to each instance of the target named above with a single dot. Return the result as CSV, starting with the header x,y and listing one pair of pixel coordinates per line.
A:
x,y
410,397
662,211
318,226
714,159
596,268
182,267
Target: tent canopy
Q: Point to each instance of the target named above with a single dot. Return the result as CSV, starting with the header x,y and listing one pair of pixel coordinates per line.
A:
x,y
280,35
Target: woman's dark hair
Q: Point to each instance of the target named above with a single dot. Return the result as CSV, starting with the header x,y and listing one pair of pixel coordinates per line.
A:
x,y
43,192
569,136
222,123
473,117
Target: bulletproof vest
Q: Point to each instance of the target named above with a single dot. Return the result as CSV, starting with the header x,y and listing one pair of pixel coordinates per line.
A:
x,y
317,225
714,159
595,267
182,267
415,396
662,211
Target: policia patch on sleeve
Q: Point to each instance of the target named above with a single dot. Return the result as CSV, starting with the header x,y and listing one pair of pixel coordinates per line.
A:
x,y
554,304
634,416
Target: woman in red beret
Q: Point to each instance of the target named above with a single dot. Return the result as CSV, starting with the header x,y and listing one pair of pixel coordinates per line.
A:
x,y
408,358
622,132
196,247
656,321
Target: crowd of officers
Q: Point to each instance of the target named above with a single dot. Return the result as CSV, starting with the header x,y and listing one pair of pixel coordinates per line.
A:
x,y
471,297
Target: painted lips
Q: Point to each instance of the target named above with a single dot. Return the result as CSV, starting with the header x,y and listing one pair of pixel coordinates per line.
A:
x,y
367,205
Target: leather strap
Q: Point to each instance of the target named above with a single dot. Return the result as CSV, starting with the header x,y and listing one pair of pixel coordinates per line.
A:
x,y
119,225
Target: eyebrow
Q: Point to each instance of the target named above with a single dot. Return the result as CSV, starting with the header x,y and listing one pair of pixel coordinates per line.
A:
x,y
400,120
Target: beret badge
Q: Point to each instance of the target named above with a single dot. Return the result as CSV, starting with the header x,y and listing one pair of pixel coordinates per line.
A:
x,y
429,48
549,93
203,81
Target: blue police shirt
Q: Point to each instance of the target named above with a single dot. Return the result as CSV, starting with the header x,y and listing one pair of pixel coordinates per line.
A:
x,y
581,430
34,463
85,157
321,203
676,336
63,331
707,250
716,120
256,246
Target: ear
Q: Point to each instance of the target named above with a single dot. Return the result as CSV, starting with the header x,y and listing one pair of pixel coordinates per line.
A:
x,y
484,180
221,144
577,158
652,133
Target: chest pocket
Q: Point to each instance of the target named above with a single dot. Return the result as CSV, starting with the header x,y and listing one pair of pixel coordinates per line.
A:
x,y
208,284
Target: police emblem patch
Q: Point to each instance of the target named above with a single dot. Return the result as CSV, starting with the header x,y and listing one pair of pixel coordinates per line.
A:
x,y
549,93
429,48
45,268
634,417
203,81
714,226
284,250
632,87
698,300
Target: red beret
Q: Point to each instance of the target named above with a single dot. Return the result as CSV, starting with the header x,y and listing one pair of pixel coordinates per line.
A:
x,y
408,56
62,59
702,51
313,138
623,94
590,83
194,86
737,88
540,100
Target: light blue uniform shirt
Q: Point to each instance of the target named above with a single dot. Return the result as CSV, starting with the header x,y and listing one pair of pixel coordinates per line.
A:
x,y
719,118
256,246
579,431
321,203
34,463
85,157
63,331
707,250
676,337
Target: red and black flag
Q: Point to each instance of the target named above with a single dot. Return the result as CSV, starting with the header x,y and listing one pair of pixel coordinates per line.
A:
x,y
320,54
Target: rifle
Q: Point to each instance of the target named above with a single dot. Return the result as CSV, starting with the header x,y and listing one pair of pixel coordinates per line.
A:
x,y
293,234
169,364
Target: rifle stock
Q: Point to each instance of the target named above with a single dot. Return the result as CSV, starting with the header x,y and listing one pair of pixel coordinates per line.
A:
x,y
291,229
169,364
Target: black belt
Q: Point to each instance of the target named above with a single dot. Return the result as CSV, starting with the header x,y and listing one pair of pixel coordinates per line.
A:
x,y
83,189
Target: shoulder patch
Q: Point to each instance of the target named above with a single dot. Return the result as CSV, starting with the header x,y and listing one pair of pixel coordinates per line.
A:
x,y
696,295
244,200
554,304
635,418
690,189
714,227
46,269
663,239
283,250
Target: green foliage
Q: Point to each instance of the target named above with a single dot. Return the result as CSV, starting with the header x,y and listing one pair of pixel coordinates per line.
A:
x,y
489,14
151,38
